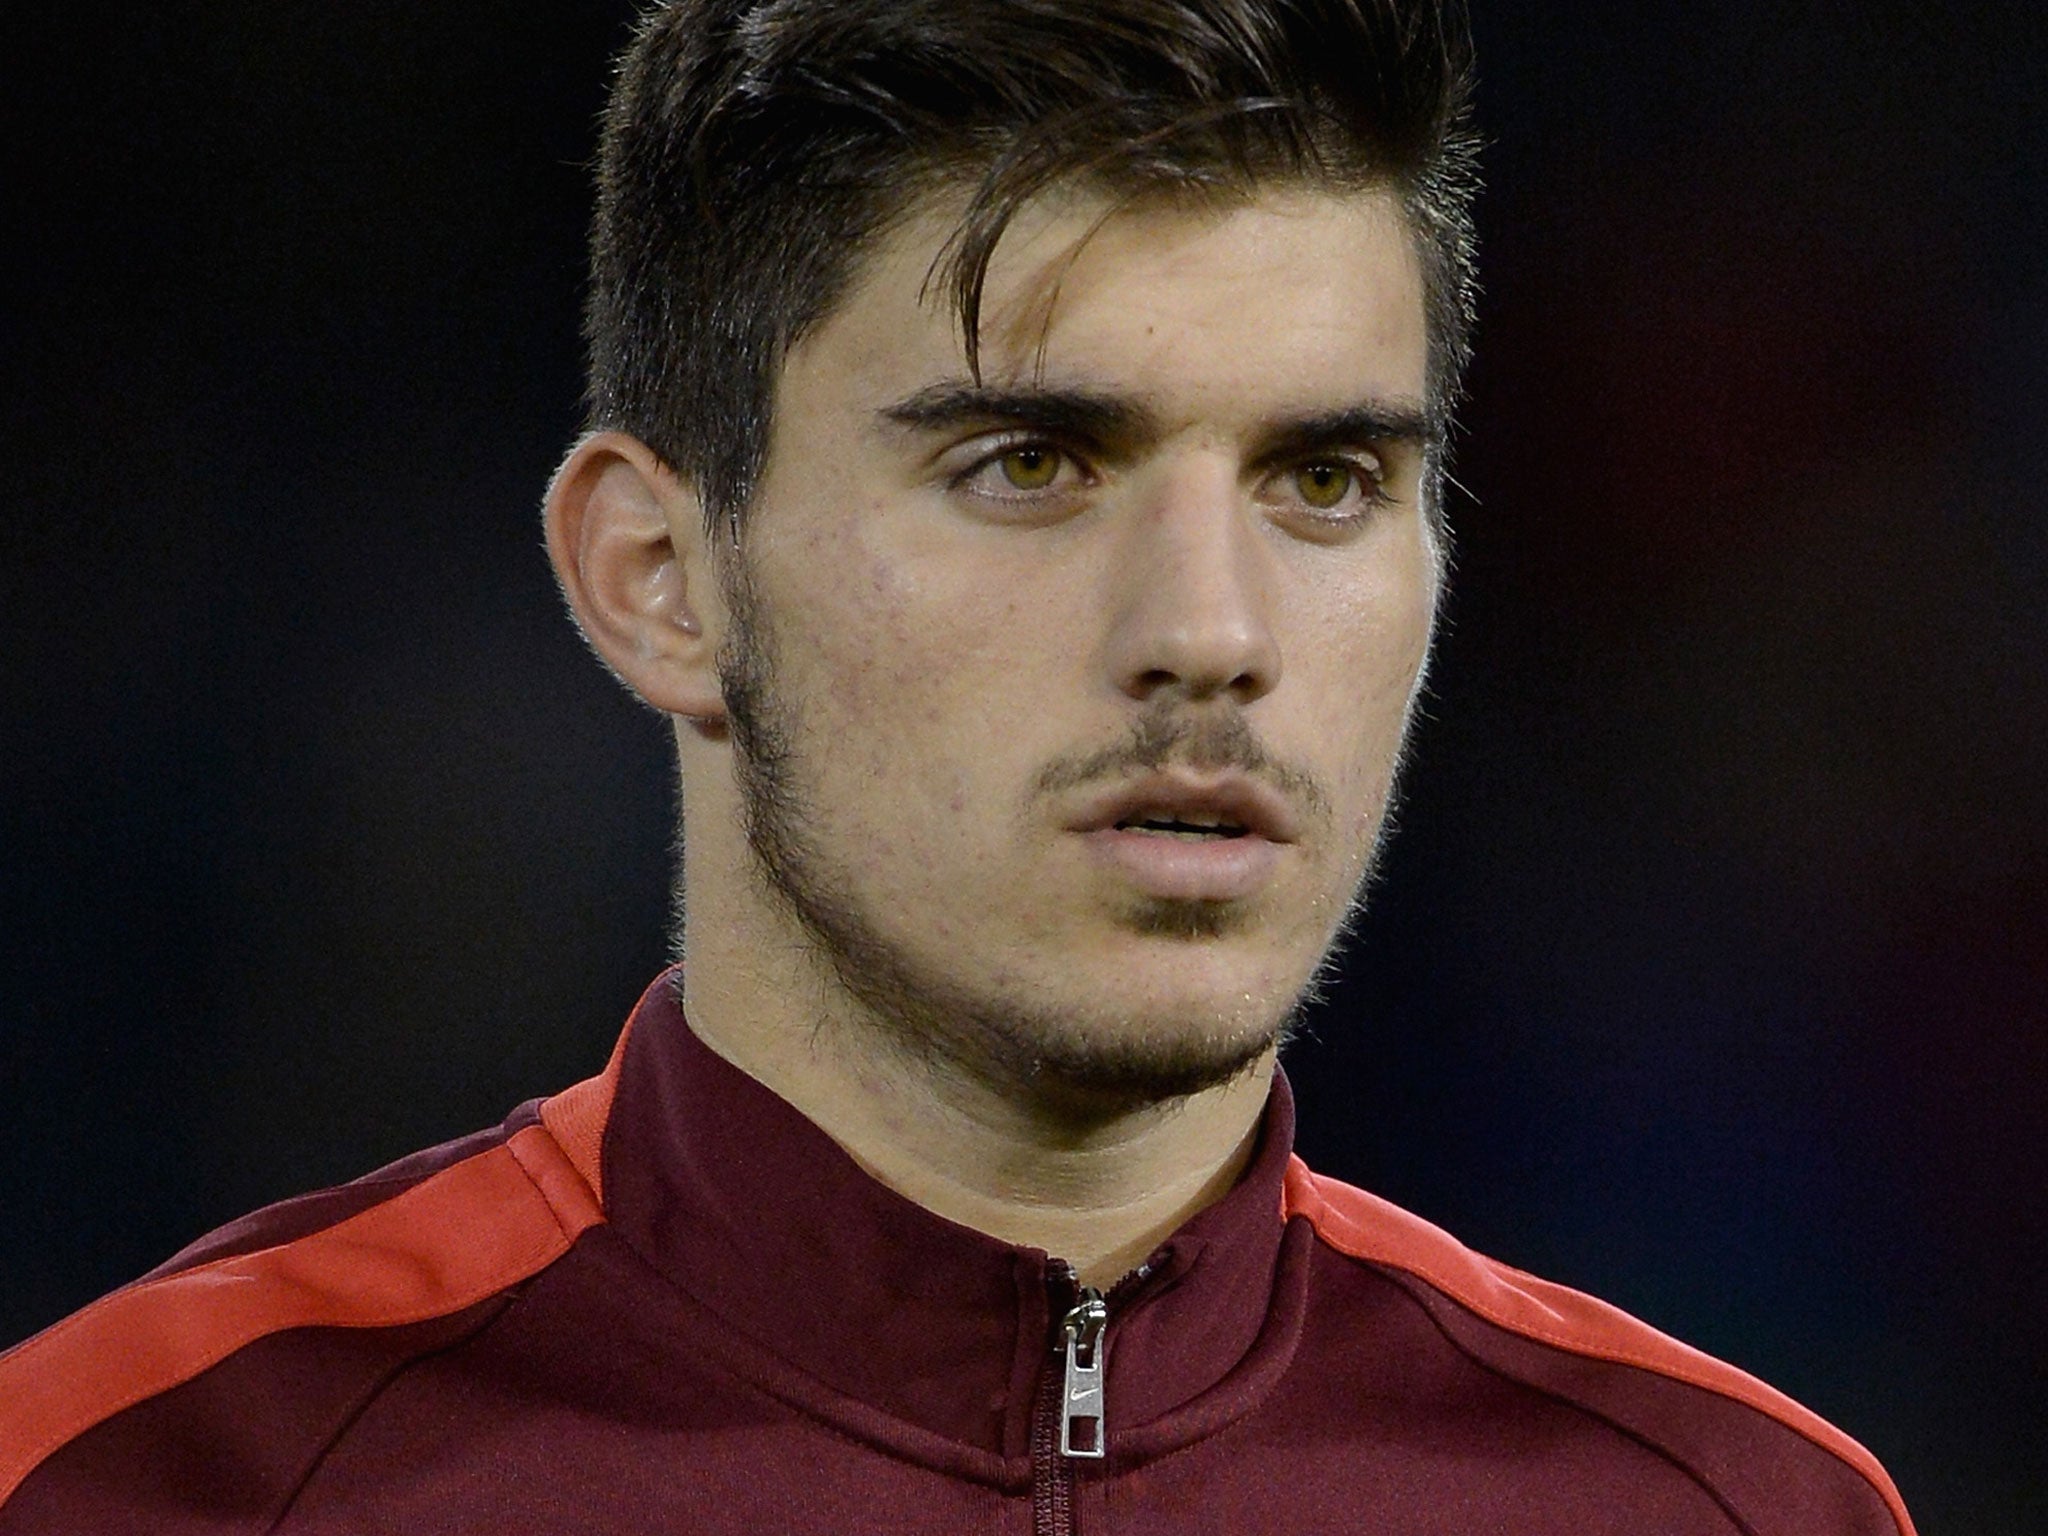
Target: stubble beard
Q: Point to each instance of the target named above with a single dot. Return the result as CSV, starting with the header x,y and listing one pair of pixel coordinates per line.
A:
x,y
943,1021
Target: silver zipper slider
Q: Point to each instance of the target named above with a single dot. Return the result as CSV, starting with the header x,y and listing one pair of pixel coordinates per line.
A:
x,y
1081,1413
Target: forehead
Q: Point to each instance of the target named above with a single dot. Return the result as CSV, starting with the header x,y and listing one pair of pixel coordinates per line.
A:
x,y
1285,300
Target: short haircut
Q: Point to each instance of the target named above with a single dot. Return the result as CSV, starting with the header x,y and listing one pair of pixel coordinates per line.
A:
x,y
755,150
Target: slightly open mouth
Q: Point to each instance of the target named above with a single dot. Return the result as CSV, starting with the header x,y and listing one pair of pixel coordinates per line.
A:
x,y
1187,831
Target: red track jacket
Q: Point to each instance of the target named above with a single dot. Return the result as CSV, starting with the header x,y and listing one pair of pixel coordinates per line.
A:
x,y
665,1302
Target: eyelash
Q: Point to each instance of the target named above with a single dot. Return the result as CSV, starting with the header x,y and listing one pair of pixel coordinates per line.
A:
x,y
1368,471
994,454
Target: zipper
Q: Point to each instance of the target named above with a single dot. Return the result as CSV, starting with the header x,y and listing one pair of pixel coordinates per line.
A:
x,y
1070,1427
1081,1387
1052,1475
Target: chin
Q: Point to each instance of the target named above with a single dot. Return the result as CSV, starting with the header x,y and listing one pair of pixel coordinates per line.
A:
x,y
1129,1062
1101,1034
1154,1028
1165,917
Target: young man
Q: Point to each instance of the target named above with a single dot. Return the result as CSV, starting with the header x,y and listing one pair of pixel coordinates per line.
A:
x,y
1015,471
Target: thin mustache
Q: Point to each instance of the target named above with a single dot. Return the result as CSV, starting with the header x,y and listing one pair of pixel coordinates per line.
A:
x,y
1206,744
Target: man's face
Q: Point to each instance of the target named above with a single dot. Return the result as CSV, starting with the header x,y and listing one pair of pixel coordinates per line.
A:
x,y
1066,706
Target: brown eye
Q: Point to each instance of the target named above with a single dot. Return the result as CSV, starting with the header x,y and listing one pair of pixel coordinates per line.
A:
x,y
1030,469
1323,486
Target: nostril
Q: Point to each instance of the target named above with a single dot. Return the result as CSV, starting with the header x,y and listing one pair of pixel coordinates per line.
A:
x,y
1203,650
1242,689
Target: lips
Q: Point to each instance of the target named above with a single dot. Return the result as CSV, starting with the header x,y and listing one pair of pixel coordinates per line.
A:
x,y
1188,839
1169,804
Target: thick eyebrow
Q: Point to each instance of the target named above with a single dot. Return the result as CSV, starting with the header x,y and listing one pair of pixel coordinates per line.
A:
x,y
1091,416
1389,422
1075,414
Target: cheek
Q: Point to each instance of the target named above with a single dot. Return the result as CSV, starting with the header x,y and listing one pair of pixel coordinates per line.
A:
x,y
856,619
909,680
1385,634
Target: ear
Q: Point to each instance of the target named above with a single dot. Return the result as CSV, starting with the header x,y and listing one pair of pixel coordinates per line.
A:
x,y
626,536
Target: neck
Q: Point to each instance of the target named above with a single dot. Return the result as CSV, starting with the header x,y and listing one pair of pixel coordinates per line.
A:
x,y
1098,1188
1097,1182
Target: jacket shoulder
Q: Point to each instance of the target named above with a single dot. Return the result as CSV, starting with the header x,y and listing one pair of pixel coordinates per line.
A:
x,y
243,1353
1782,1467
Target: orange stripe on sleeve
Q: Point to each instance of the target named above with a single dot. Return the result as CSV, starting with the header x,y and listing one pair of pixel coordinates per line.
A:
x,y
451,1240
576,1117
1366,1227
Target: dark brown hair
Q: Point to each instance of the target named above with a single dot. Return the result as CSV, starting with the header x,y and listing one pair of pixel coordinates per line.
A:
x,y
754,150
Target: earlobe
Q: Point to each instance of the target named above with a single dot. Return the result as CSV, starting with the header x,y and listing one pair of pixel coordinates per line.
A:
x,y
625,535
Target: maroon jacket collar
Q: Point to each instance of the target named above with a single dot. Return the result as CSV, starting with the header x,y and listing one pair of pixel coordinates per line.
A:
x,y
762,1219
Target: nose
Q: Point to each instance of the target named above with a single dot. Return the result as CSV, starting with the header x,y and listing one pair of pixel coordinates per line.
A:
x,y
1193,595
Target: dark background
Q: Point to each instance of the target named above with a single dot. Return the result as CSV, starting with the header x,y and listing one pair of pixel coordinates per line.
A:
x,y
1709,969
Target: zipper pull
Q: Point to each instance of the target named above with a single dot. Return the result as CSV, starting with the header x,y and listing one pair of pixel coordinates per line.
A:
x,y
1081,1411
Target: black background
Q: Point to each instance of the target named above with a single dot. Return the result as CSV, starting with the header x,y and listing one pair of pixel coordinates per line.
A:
x,y
1709,969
